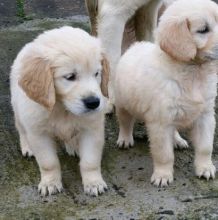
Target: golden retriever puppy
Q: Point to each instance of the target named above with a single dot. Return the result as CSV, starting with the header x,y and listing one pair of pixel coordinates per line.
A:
x,y
55,92
171,85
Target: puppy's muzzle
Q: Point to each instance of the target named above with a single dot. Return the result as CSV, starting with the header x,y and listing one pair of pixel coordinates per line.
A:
x,y
91,102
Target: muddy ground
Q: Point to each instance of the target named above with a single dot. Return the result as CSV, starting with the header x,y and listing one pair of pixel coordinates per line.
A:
x,y
127,172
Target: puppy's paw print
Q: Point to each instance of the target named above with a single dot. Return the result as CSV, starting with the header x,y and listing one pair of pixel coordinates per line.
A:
x,y
206,171
125,142
50,187
95,188
161,178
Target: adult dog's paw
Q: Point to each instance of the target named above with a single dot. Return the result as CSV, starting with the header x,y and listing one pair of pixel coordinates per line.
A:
x,y
161,178
95,188
50,187
207,171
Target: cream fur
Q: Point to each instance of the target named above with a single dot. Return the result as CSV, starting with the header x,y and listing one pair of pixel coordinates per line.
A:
x,y
172,85
112,18
47,105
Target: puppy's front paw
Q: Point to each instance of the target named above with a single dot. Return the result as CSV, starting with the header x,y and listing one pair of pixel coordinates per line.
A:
x,y
161,178
205,170
125,142
95,188
50,187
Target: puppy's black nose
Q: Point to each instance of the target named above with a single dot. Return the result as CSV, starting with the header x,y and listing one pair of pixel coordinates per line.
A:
x,y
91,102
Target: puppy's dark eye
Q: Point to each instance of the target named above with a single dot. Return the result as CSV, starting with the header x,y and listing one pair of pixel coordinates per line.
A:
x,y
96,74
204,30
71,77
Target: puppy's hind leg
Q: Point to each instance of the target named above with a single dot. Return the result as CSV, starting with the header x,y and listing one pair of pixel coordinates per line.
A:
x,y
72,146
25,149
71,150
179,142
44,151
126,123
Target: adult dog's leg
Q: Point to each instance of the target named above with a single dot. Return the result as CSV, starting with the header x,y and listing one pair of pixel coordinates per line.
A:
x,y
44,151
92,8
126,123
202,137
161,143
110,30
146,19
90,152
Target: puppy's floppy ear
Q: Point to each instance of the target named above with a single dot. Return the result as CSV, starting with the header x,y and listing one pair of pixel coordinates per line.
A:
x,y
105,75
175,39
37,81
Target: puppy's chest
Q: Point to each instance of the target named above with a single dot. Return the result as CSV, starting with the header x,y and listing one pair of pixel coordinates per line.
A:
x,y
65,128
191,103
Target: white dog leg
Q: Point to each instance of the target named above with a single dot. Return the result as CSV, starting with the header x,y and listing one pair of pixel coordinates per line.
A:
x,y
110,31
146,20
126,123
179,142
202,137
161,142
25,149
45,153
90,151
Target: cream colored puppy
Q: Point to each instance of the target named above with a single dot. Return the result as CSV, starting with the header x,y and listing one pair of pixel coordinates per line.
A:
x,y
172,85
55,92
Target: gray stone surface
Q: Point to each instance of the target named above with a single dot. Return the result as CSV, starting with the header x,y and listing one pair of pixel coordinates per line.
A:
x,y
17,11
127,172
54,8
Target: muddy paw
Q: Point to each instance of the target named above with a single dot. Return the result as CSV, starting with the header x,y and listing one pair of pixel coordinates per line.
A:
x,y
50,188
95,188
125,142
161,179
206,171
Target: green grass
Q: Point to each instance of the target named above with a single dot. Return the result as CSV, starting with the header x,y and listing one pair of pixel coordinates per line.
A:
x,y
20,9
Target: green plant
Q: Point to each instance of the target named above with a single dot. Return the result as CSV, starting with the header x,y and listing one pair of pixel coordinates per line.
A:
x,y
20,9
